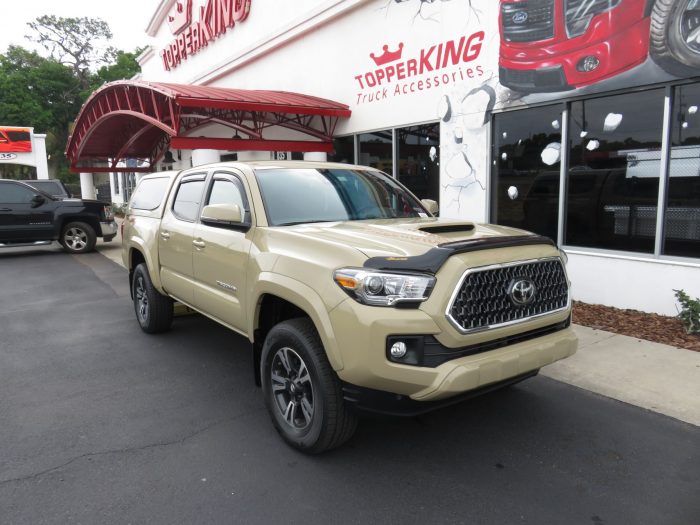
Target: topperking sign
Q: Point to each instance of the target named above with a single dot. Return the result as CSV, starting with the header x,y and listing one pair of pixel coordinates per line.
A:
x,y
215,18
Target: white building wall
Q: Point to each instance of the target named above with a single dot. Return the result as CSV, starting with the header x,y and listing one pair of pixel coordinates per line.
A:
x,y
629,282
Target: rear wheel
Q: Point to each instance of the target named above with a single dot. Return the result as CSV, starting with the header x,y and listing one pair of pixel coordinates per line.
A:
x,y
302,392
78,237
675,36
154,311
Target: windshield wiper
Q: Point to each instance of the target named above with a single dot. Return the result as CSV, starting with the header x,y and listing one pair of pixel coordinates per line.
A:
x,y
294,223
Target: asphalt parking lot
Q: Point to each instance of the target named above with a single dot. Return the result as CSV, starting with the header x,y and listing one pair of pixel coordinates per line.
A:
x,y
100,423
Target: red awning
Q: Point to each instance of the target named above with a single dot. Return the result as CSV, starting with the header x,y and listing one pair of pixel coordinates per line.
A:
x,y
141,120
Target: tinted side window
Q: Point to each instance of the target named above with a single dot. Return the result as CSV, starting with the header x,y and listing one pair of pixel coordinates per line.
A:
x,y
226,192
188,198
50,187
15,194
149,193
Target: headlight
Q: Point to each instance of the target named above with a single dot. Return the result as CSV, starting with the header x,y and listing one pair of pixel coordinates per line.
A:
x,y
579,14
382,288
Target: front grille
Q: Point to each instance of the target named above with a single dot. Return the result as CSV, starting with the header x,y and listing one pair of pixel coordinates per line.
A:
x,y
483,299
529,21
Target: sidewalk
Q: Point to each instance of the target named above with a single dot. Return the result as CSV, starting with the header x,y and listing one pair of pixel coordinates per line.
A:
x,y
650,375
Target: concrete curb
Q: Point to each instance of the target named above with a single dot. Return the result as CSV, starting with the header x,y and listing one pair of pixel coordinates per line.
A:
x,y
650,375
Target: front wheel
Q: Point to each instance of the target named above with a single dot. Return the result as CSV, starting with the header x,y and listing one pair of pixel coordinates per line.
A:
x,y
78,237
154,311
675,36
302,392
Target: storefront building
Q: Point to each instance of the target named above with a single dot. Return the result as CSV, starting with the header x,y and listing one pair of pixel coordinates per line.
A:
x,y
576,119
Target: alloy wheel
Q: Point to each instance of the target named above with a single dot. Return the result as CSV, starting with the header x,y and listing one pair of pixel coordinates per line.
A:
x,y
75,238
142,307
689,25
292,388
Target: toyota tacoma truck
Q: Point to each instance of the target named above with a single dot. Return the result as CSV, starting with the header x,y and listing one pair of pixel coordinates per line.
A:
x,y
353,296
30,217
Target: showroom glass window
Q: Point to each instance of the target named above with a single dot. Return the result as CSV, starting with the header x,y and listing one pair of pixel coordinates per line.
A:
x,y
376,150
614,165
419,168
526,169
682,224
343,150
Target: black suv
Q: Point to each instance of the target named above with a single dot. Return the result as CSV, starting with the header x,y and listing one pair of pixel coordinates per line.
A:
x,y
29,216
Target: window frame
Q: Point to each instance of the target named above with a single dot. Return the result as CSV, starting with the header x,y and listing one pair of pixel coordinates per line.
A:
x,y
186,179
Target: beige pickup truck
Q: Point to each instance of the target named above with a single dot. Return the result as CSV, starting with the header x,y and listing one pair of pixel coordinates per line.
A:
x,y
354,297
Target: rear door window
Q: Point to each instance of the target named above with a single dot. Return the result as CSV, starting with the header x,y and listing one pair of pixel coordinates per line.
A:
x,y
149,193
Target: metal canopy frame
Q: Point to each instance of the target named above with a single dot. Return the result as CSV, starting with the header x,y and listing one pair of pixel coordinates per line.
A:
x,y
142,120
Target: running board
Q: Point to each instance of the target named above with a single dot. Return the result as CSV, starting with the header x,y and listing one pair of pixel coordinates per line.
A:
x,y
24,244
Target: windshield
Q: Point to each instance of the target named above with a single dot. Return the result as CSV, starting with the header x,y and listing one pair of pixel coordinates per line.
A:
x,y
296,196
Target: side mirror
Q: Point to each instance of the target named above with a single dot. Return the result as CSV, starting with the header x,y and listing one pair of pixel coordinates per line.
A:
x,y
222,215
431,206
37,201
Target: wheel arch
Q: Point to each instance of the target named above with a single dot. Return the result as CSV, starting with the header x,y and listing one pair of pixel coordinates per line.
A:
x,y
138,253
90,220
277,298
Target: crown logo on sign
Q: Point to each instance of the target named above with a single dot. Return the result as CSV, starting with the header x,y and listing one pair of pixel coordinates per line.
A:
x,y
180,17
388,56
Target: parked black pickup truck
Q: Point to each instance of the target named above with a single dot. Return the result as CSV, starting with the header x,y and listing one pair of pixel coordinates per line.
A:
x,y
29,216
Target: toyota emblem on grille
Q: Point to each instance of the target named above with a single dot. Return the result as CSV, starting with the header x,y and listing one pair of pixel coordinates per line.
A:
x,y
520,17
522,292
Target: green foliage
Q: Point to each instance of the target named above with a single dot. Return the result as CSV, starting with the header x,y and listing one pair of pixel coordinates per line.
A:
x,y
124,67
46,93
119,209
36,91
690,312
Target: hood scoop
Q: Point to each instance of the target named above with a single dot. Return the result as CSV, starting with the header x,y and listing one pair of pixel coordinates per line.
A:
x,y
448,228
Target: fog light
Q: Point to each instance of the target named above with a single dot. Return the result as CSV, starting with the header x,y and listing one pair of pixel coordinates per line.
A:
x,y
398,350
588,64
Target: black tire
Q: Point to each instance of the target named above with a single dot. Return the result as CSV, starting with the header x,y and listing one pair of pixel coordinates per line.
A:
x,y
668,46
154,311
289,391
78,237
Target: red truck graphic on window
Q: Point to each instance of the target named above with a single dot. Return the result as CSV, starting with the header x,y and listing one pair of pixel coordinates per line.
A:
x,y
556,45
15,140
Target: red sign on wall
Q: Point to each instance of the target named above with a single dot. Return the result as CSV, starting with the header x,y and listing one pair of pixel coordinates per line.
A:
x,y
15,140
215,18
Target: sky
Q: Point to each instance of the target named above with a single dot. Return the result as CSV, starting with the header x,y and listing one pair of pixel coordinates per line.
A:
x,y
126,18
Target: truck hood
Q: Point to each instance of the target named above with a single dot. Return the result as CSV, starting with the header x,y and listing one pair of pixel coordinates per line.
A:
x,y
400,237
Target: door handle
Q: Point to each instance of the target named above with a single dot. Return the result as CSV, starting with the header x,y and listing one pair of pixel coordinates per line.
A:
x,y
199,244
165,235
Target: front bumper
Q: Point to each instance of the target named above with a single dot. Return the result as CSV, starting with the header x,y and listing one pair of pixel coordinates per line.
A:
x,y
450,363
368,401
108,230
541,67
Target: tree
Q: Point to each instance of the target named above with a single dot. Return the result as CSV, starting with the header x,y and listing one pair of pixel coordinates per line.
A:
x,y
39,92
47,92
80,43
123,67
